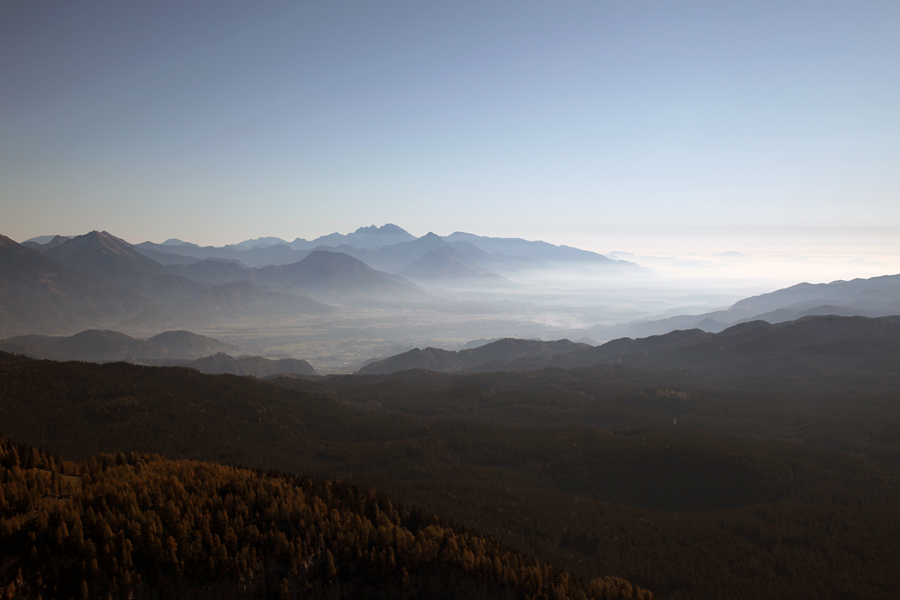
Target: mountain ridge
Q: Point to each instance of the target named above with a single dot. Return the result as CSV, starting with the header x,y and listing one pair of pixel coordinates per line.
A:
x,y
40,295
97,345
864,297
491,356
104,255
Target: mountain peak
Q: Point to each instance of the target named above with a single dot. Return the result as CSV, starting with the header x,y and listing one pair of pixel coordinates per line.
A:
x,y
387,228
101,253
108,241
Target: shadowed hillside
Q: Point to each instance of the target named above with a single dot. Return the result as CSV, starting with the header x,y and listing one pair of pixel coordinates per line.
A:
x,y
255,366
489,357
821,345
140,526
101,346
634,503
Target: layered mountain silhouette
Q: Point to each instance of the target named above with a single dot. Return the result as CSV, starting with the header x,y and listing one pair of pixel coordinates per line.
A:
x,y
213,271
811,346
364,237
396,257
392,249
873,297
447,264
192,291
261,242
498,261
113,259
96,345
338,277
40,295
46,242
227,302
257,256
538,250
496,356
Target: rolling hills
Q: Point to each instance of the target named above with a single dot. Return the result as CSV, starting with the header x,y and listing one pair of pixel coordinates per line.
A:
x,y
819,345
104,346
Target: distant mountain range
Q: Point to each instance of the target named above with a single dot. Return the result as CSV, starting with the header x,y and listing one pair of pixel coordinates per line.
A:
x,y
98,280
392,249
115,260
364,237
873,297
811,346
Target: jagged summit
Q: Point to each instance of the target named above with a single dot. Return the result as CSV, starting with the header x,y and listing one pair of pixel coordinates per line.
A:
x,y
366,237
387,228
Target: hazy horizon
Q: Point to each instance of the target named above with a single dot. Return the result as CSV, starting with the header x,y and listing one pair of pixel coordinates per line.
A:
x,y
763,128
716,269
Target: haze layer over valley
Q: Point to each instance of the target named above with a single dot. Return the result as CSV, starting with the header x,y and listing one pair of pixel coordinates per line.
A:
x,y
342,300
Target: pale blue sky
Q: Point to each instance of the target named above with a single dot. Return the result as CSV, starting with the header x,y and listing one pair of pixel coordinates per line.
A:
x,y
633,125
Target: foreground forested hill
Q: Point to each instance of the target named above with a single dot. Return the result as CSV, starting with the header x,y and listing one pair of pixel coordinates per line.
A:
x,y
682,513
139,526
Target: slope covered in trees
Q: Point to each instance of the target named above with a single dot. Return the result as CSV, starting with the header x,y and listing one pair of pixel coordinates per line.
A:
x,y
141,526
685,514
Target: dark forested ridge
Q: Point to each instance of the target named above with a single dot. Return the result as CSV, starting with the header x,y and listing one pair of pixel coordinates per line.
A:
x,y
103,345
817,345
141,526
494,356
685,514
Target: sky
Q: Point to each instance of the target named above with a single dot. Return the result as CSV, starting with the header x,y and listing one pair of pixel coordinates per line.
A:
x,y
639,126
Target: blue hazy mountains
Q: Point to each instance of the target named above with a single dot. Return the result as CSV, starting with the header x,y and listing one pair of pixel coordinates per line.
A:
x,y
392,249
872,297
64,284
